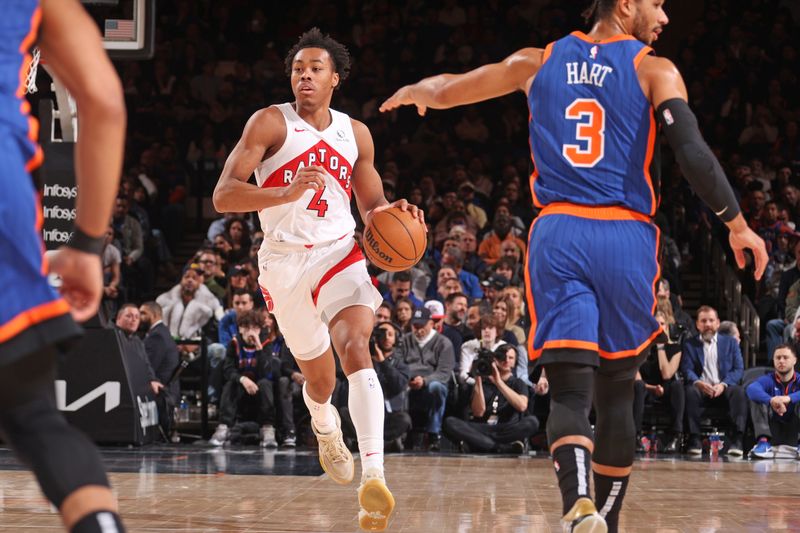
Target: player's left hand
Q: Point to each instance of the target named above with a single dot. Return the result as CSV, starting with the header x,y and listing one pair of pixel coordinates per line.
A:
x,y
743,238
403,205
81,276
402,97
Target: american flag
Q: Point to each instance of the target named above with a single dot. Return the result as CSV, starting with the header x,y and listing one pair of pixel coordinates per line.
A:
x,y
119,30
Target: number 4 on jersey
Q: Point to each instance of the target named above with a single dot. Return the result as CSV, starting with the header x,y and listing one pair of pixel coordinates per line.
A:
x,y
318,204
591,129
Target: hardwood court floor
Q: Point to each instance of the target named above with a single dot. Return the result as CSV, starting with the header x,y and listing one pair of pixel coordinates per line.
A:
x,y
434,493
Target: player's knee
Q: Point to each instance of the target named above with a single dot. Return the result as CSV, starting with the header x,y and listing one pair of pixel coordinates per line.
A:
x,y
62,458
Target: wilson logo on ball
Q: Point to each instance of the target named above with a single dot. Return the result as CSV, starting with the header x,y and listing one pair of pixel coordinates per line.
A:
x,y
376,248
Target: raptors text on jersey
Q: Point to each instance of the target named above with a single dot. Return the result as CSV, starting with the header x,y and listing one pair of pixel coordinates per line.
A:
x,y
318,216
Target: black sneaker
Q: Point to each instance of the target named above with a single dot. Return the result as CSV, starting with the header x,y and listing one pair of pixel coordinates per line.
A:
x,y
434,442
290,440
695,446
518,447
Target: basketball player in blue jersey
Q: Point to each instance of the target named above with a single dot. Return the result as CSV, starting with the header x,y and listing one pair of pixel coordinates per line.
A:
x,y
35,319
596,102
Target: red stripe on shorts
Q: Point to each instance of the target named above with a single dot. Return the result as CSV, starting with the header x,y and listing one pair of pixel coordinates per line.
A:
x,y
354,256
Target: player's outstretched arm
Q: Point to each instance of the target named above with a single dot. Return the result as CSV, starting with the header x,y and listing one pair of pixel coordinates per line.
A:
x,y
514,73
366,181
667,92
265,129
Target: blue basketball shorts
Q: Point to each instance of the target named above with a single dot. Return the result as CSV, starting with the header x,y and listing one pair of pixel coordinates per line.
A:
x,y
591,276
32,313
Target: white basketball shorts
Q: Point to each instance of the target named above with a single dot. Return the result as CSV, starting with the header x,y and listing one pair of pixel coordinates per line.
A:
x,y
306,287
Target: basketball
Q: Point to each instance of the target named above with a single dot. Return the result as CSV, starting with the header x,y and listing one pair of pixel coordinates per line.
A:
x,y
394,240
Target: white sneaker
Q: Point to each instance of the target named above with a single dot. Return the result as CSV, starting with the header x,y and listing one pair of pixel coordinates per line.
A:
x,y
334,457
268,437
220,436
376,502
784,451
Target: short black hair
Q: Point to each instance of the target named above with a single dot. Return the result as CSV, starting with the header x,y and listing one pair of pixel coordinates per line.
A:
x,y
785,346
598,9
402,276
314,38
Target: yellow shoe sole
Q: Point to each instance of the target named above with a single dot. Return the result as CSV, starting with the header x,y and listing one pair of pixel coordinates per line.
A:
x,y
377,503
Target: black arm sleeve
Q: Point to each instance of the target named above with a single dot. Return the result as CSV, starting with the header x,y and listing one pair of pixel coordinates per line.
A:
x,y
695,158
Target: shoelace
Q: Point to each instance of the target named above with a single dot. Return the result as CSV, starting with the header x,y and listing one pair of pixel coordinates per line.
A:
x,y
334,447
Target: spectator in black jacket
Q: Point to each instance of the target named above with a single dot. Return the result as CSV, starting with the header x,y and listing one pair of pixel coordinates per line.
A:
x,y
249,378
162,353
393,377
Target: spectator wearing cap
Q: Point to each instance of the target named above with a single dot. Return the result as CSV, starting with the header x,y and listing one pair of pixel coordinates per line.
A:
x,y
454,258
437,315
400,287
493,286
430,359
490,250
237,279
189,305
466,192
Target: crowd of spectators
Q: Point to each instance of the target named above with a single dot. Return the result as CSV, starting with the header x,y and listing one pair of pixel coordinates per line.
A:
x,y
218,62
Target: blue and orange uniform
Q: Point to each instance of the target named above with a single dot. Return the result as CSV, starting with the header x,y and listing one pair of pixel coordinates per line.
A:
x,y
592,256
32,314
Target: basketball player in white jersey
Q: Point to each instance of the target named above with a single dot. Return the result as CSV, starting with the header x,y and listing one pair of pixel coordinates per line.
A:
x,y
308,160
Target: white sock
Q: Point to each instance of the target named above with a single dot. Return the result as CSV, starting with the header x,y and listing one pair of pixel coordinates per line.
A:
x,y
321,413
367,410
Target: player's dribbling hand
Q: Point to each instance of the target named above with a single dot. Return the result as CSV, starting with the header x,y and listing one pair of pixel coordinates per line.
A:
x,y
403,205
307,178
81,276
400,98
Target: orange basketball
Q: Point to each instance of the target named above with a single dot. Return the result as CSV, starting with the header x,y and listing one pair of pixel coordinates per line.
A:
x,y
394,240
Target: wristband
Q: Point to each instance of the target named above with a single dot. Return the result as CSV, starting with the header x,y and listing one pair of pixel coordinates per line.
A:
x,y
84,243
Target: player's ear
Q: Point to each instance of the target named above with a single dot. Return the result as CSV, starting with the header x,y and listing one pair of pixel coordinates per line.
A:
x,y
335,79
625,7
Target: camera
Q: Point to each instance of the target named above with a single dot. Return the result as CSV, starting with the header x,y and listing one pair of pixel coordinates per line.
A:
x,y
376,340
482,366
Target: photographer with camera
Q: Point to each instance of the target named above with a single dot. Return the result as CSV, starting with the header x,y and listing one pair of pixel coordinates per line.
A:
x,y
393,377
498,405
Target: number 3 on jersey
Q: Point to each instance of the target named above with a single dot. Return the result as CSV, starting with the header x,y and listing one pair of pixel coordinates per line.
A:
x,y
591,129
318,204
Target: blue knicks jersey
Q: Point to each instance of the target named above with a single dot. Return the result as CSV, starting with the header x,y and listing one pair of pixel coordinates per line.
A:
x,y
592,130
19,24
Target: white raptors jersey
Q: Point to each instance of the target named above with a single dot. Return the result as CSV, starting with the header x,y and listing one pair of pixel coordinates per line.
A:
x,y
318,216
